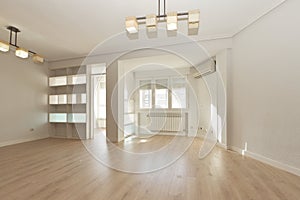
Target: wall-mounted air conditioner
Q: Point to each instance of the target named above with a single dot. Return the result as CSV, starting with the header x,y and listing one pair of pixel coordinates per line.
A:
x,y
205,68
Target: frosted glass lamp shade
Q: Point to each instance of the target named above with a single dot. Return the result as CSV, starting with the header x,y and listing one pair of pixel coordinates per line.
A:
x,y
194,17
193,25
37,58
151,22
4,46
131,25
172,21
22,53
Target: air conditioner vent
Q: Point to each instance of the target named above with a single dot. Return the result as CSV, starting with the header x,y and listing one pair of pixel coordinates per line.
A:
x,y
205,68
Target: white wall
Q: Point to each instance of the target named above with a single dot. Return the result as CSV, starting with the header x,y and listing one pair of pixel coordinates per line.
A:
x,y
23,94
203,103
264,88
212,47
223,62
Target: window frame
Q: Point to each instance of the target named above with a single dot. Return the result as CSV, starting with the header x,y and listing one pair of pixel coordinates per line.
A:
x,y
169,87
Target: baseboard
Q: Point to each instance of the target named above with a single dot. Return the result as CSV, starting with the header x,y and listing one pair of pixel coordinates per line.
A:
x,y
12,142
236,149
224,146
268,161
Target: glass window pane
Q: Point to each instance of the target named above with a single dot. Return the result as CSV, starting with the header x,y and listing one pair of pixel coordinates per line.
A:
x,y
179,99
161,98
161,93
145,99
145,94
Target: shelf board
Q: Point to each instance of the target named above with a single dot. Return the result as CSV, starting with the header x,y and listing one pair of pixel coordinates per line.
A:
x,y
80,84
67,122
56,86
67,104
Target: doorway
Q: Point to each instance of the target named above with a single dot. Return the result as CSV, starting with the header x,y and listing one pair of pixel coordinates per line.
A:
x,y
98,100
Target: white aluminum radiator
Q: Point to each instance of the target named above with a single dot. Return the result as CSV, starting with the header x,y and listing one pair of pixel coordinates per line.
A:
x,y
163,122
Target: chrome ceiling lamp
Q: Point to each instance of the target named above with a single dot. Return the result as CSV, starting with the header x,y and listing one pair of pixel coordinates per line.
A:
x,y
151,20
20,52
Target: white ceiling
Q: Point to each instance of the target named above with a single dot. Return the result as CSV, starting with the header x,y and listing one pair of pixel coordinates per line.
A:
x,y
60,29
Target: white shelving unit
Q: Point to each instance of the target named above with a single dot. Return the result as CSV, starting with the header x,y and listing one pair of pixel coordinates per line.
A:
x,y
68,102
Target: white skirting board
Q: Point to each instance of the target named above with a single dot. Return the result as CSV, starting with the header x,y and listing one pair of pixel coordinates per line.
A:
x,y
12,142
266,160
224,146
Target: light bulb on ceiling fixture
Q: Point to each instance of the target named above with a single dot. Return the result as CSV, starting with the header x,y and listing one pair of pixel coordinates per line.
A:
x,y
4,46
172,21
131,25
22,53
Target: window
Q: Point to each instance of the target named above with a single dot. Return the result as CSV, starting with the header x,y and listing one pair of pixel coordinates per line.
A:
x,y
145,94
178,93
161,93
168,93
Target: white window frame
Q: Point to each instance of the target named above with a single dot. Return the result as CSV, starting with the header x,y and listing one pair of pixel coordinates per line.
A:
x,y
153,82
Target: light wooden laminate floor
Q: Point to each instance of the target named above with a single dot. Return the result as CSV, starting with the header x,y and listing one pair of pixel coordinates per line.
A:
x,y
63,169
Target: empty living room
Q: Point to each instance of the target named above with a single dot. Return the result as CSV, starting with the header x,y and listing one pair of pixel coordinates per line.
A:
x,y
157,100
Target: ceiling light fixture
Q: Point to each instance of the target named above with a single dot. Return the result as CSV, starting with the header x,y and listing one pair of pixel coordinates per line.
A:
x,y
172,21
194,16
132,25
151,20
20,52
4,46
37,58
